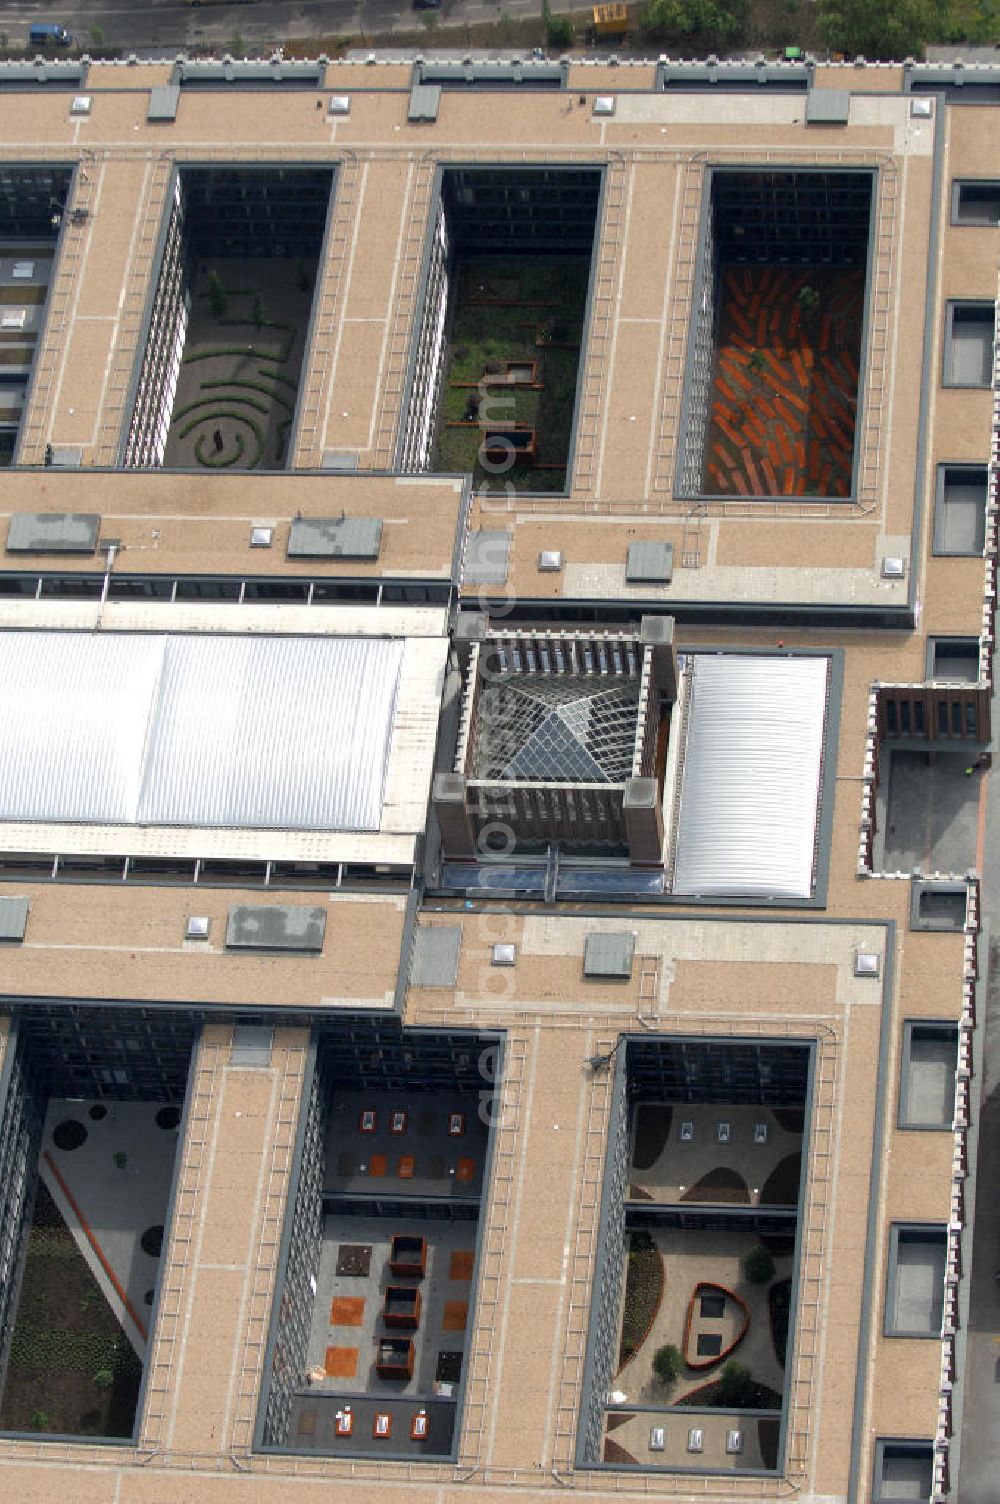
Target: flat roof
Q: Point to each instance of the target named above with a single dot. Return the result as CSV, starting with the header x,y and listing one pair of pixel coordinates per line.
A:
x,y
130,728
748,805
268,742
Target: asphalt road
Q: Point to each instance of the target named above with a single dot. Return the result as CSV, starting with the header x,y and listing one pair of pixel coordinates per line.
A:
x,y
156,26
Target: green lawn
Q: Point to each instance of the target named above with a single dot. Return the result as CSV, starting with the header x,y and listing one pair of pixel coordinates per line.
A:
x,y
513,311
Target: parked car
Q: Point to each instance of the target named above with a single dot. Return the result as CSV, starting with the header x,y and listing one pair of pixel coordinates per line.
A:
x,y
426,4
45,34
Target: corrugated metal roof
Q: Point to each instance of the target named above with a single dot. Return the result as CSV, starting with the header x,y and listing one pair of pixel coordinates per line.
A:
x,y
749,799
232,732
73,713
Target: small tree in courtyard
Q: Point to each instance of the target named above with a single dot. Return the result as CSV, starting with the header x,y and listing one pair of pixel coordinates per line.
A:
x,y
736,1386
667,1363
758,1266
217,299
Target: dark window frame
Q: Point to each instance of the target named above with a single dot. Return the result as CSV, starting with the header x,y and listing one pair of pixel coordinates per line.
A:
x,y
927,1232
911,1027
962,307
914,1446
957,186
956,468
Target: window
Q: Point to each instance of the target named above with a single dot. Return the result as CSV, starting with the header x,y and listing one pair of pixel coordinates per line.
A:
x,y
927,1077
968,344
975,202
903,1470
936,905
915,1290
960,510
953,659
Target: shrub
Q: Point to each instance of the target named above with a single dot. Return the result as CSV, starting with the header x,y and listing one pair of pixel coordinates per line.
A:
x,y
809,301
559,30
667,1363
40,1420
217,295
736,1386
758,1267
120,1159
103,1378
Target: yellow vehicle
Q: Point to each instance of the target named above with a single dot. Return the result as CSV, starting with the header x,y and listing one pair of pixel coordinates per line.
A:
x,y
611,20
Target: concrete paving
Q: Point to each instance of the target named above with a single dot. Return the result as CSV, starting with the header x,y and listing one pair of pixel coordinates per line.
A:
x,y
442,1298
117,1202
420,1159
932,812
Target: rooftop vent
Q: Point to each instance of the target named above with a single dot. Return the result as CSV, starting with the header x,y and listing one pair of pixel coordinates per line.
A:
x,y
893,567
261,537
335,538
604,104
81,104
251,1046
425,101
53,533
340,104
921,109
197,928
436,949
275,927
649,563
866,963
827,106
550,561
609,957
504,954
487,557
163,101
13,918
65,457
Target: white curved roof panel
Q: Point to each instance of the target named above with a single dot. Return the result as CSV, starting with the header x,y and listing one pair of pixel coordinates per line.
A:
x,y
750,789
229,732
